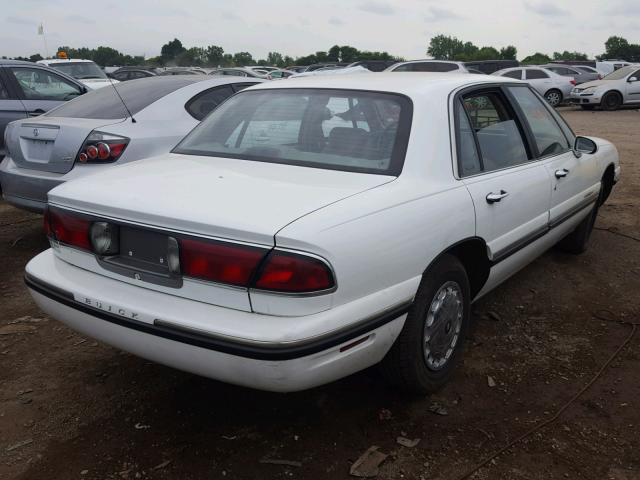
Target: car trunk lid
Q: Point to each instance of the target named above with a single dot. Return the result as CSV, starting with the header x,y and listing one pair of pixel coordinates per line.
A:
x,y
50,144
221,197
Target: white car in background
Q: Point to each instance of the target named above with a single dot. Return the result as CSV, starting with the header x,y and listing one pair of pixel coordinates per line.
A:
x,y
86,71
553,87
430,66
621,87
309,229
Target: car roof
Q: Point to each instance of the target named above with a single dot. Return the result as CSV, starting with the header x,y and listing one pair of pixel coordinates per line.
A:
x,y
430,60
412,84
64,60
15,62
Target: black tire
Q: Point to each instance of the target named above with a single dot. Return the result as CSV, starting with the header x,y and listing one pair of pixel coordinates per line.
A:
x,y
587,107
578,240
405,365
611,101
553,97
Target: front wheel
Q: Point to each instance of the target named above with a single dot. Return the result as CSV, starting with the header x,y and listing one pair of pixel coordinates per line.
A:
x,y
424,355
553,97
611,101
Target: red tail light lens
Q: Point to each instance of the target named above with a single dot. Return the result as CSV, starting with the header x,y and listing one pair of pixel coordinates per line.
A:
x,y
294,273
68,228
219,262
102,147
572,82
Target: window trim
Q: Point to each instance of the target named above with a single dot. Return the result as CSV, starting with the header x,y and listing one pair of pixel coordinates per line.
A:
x,y
525,121
491,87
193,99
20,93
398,154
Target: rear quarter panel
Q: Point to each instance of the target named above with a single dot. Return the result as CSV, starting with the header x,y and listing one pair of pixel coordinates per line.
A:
x,y
380,242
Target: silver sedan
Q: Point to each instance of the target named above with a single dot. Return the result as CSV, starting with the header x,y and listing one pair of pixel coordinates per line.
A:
x,y
105,128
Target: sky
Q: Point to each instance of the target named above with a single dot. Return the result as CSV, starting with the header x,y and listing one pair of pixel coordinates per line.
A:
x,y
401,27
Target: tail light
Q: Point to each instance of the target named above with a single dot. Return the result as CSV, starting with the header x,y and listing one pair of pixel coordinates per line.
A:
x,y
102,147
572,82
599,77
254,267
216,261
68,228
219,262
294,273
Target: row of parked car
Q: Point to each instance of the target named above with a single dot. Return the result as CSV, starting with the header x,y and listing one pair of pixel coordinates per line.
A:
x,y
303,230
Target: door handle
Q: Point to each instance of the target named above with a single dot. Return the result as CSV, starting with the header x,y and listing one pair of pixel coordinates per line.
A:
x,y
563,172
36,113
496,197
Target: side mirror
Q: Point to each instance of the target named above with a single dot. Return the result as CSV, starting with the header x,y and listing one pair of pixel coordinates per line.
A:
x,y
632,79
585,145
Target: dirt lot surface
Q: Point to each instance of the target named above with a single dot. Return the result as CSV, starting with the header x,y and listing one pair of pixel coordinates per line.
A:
x,y
73,408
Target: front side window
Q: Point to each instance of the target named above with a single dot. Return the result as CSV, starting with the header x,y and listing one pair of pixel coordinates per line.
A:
x,y
334,129
547,133
204,103
39,84
4,94
497,131
434,67
535,74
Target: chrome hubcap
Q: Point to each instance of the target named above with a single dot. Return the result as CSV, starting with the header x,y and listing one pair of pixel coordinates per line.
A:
x,y
553,99
442,325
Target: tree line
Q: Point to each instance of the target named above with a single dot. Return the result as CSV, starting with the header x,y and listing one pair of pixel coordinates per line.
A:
x,y
441,47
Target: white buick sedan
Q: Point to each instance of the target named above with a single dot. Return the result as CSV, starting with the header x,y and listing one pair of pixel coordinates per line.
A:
x,y
307,230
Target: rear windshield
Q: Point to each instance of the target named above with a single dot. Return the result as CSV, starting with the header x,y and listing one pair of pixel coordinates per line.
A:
x,y
104,103
348,130
80,70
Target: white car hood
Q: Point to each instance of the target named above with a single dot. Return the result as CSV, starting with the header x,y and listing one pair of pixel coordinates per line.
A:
x,y
596,83
227,198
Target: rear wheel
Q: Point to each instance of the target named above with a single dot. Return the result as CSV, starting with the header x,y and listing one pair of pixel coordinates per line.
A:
x,y
553,97
611,101
424,355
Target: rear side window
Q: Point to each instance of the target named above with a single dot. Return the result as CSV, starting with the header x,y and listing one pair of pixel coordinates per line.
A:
x,y
105,104
547,133
517,74
497,132
535,74
40,84
434,67
346,130
202,104
4,94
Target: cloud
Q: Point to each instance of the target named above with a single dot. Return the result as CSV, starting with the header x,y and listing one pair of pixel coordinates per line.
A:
x,y
438,14
78,19
624,9
20,21
545,9
336,21
378,8
229,15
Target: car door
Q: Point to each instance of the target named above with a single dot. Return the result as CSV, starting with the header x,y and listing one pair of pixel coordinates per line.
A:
x,y
40,90
510,190
575,180
11,108
538,79
633,88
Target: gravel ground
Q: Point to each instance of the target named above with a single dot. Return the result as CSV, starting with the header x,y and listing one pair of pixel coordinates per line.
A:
x,y
74,408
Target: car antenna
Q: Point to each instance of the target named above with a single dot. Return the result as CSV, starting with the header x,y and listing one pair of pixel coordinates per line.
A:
x,y
133,120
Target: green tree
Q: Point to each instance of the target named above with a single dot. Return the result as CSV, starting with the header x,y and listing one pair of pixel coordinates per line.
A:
x,y
275,59
242,59
508,53
215,55
443,47
536,59
35,57
620,48
172,49
566,55
334,54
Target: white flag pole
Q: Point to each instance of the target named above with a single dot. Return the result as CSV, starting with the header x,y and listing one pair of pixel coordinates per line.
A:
x,y
44,38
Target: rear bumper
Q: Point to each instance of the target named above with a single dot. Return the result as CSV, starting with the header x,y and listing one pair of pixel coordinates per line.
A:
x,y
283,364
24,188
